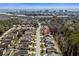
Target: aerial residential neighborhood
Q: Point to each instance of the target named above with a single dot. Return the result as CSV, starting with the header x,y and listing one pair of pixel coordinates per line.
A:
x,y
39,32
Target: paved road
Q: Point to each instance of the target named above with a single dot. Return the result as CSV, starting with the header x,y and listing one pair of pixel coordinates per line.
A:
x,y
38,40
7,32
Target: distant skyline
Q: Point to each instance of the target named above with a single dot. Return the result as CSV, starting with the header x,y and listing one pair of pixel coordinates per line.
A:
x,y
39,5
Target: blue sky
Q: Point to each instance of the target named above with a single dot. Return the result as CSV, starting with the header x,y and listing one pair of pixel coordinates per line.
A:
x,y
39,5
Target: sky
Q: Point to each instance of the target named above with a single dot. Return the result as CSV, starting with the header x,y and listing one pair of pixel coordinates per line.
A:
x,y
39,5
